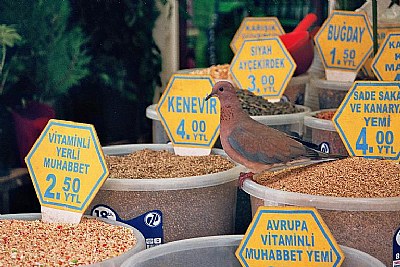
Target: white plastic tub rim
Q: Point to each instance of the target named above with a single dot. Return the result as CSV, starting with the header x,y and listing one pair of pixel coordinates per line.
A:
x,y
273,197
116,261
180,183
351,254
280,119
184,245
313,122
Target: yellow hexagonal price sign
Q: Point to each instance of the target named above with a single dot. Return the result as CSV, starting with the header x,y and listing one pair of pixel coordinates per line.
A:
x,y
67,165
344,41
383,31
368,120
255,28
263,67
189,120
288,236
386,63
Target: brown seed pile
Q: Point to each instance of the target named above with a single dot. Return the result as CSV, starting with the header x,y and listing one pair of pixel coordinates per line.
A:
x,y
34,243
152,164
216,71
355,177
325,115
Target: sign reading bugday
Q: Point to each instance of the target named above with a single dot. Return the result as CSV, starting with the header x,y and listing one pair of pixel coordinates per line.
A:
x,y
255,28
288,236
192,124
344,43
368,120
263,67
67,168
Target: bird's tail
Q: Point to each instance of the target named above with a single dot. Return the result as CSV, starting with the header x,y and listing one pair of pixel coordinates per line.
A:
x,y
314,152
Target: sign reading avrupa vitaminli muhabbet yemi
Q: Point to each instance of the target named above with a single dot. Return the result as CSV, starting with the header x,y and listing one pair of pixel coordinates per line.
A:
x,y
288,236
264,67
344,43
67,168
368,120
255,28
191,122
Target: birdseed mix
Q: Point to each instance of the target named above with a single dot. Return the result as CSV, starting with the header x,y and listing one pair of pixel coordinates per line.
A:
x,y
186,213
153,164
325,115
215,71
35,243
368,231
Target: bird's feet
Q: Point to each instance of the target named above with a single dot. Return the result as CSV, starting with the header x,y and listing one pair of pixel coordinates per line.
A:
x,y
243,176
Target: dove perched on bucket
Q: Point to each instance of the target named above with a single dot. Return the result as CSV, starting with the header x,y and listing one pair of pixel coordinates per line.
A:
x,y
251,143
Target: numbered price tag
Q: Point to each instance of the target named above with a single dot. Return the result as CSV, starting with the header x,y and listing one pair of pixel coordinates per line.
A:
x,y
67,168
386,63
344,43
279,235
368,120
192,124
255,28
263,67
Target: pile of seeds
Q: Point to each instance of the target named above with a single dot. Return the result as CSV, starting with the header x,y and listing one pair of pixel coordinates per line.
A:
x,y
34,243
325,115
148,163
215,71
256,105
351,177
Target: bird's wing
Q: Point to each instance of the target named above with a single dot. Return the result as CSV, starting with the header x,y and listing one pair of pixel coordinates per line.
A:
x,y
259,143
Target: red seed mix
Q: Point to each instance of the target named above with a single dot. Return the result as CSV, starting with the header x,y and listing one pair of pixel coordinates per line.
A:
x,y
35,243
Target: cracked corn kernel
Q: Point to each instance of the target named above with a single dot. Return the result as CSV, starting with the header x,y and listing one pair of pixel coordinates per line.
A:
x,y
35,243
148,163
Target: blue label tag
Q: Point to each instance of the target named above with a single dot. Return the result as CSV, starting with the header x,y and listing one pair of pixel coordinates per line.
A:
x,y
150,224
396,249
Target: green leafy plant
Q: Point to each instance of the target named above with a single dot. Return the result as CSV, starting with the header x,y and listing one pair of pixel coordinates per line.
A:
x,y
8,38
52,54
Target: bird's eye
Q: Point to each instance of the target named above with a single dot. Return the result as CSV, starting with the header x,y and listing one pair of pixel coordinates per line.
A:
x,y
221,89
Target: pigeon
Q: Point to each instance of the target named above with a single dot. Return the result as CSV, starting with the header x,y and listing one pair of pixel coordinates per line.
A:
x,y
254,145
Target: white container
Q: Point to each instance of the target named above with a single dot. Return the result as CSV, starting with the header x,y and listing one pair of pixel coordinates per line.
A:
x,y
116,261
367,224
219,251
322,133
296,88
191,206
288,123
330,93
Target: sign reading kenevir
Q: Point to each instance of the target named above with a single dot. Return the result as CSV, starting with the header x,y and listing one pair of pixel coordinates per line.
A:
x,y
67,168
288,236
256,28
263,67
344,43
192,124
368,120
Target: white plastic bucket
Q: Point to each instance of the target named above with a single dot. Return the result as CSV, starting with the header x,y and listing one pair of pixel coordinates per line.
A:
x,y
116,261
191,206
367,224
330,93
219,251
322,133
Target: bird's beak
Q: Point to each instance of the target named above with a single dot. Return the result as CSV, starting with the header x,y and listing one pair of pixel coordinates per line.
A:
x,y
209,96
